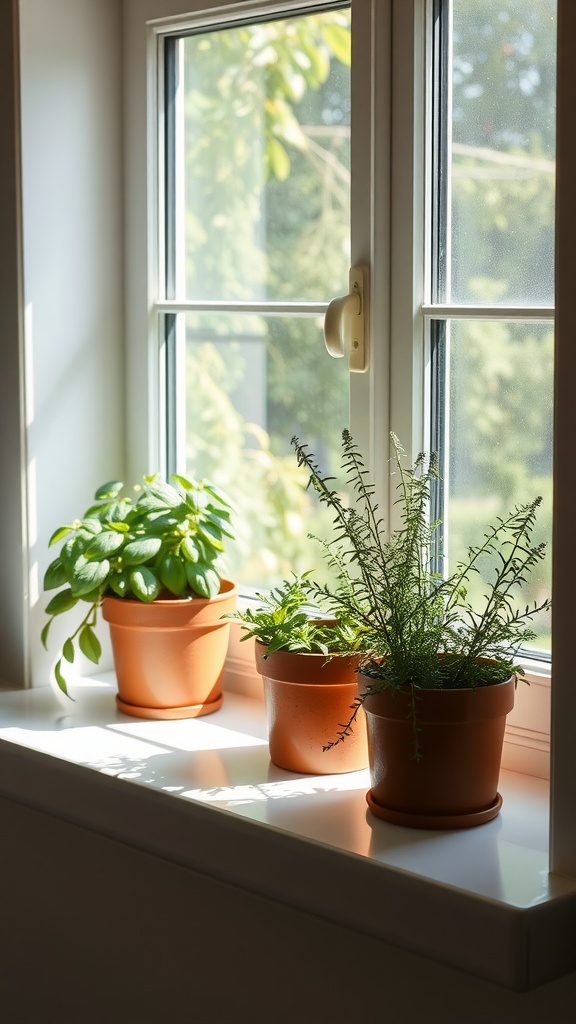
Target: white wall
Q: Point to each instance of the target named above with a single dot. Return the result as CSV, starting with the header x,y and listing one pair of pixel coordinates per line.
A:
x,y
73,266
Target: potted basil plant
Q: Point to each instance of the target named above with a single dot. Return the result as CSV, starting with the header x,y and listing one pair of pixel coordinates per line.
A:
x,y
148,561
438,673
309,684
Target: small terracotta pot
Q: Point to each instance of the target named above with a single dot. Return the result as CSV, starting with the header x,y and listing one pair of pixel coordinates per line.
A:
x,y
307,699
169,655
454,782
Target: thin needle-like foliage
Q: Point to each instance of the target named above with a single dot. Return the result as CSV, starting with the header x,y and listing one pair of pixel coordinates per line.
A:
x,y
419,629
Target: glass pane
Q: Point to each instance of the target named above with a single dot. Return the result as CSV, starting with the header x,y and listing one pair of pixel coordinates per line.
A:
x,y
266,160
251,384
500,438
501,162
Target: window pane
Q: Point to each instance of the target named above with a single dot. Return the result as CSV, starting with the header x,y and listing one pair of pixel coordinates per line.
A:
x,y
501,162
258,210
266,159
251,384
500,437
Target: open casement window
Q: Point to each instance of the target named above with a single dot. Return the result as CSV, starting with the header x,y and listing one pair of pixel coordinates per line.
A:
x,y
288,142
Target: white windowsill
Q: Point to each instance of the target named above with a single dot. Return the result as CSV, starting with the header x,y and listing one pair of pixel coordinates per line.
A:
x,y
219,806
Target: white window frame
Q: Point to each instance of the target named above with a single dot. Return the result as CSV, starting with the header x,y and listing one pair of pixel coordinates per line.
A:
x,y
391,394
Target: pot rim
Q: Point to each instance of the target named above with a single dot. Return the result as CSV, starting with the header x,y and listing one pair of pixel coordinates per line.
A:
x,y
304,654
435,705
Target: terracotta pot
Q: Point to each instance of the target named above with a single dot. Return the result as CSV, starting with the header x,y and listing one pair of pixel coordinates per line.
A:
x,y
307,699
454,783
169,655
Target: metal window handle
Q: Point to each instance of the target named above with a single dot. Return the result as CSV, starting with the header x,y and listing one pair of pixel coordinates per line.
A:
x,y
345,323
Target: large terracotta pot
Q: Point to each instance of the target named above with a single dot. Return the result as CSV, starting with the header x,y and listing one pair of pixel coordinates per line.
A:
x,y
307,699
169,655
454,781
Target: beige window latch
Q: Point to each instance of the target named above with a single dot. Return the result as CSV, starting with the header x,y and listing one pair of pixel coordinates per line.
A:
x,y
346,322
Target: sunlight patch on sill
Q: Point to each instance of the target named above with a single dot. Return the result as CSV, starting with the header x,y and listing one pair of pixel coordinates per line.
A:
x,y
87,745
234,796
177,735
111,746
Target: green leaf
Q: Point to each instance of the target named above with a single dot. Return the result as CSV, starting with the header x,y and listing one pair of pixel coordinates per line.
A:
x,y
172,574
117,511
110,511
55,575
210,535
120,583
162,522
104,544
164,493
59,534
89,576
145,584
197,500
221,524
60,678
61,602
221,497
205,555
189,549
44,634
109,490
151,503
203,580
119,526
68,650
137,552
74,549
90,644
91,525
186,484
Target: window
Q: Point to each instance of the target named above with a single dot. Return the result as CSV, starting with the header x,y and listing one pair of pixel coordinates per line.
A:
x,y
251,241
392,392
255,203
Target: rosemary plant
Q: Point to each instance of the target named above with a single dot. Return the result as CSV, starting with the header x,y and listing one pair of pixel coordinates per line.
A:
x,y
420,630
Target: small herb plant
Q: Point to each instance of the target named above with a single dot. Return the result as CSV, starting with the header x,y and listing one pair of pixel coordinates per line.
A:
x,y
164,542
419,629
285,620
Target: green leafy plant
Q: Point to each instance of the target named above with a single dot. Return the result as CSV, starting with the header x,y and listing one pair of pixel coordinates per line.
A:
x,y
419,629
286,620
165,542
